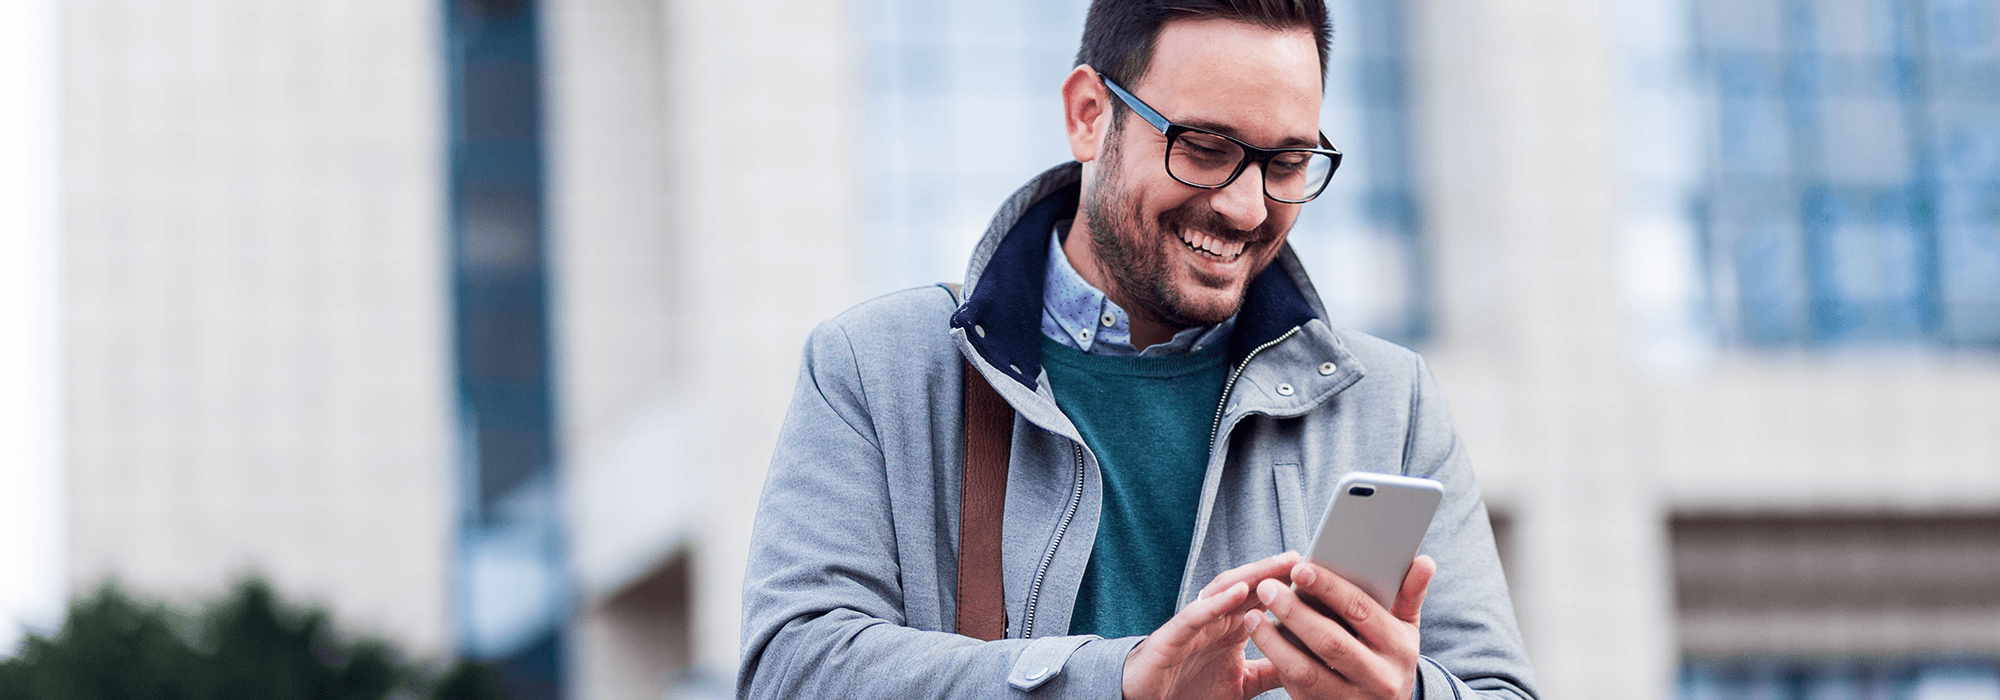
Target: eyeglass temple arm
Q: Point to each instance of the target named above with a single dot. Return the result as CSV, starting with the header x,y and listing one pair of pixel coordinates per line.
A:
x,y
1145,111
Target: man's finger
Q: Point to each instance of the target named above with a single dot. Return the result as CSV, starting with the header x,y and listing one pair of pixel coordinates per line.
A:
x,y
1277,566
1416,584
1185,628
1294,667
1263,674
1326,639
1347,602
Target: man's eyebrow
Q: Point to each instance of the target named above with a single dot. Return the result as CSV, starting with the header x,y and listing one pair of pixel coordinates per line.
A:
x,y
1225,129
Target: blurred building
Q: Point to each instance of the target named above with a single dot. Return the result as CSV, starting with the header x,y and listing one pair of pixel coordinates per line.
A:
x,y
475,319
401,306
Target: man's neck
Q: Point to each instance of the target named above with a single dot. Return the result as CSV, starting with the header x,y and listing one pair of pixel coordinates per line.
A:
x,y
1082,253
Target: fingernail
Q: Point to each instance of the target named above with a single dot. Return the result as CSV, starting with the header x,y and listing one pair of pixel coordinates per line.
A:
x,y
1253,619
1267,591
1303,575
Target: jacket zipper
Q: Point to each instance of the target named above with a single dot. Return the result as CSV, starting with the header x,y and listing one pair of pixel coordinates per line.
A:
x,y
1215,432
1076,490
1049,557
1216,427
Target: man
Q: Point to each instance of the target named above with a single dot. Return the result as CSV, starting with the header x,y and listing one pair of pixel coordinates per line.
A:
x,y
1181,407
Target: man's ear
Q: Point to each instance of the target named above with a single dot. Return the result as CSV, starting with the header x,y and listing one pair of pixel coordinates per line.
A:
x,y
1086,113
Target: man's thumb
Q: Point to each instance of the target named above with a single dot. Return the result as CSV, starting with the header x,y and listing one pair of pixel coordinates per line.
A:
x,y
1416,583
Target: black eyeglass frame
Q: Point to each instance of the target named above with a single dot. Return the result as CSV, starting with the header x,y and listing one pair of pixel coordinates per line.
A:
x,y
1261,156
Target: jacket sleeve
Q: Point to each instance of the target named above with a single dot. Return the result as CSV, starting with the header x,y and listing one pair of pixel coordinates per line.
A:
x,y
823,601
1471,645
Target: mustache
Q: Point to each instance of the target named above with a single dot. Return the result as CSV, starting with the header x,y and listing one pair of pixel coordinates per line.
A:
x,y
1205,220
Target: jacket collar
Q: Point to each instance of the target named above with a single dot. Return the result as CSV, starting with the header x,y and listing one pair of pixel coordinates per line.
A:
x,y
1001,314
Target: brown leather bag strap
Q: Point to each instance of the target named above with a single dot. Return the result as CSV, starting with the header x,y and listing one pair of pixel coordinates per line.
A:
x,y
982,502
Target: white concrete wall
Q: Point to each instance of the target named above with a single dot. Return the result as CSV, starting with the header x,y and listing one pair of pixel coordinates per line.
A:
x,y
33,581
763,136
704,203
257,359
616,259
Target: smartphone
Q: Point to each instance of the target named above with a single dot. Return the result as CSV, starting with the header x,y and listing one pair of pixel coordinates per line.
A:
x,y
1370,534
1373,528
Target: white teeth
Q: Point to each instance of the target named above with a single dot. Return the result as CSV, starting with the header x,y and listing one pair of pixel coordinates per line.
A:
x,y
1227,250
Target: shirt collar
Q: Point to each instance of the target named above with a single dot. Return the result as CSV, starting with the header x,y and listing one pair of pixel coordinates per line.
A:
x,y
1080,316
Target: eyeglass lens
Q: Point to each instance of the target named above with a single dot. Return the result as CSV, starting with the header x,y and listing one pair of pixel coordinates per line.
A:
x,y
1208,160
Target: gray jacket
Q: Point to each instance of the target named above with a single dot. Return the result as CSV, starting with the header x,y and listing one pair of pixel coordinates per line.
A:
x,y
852,574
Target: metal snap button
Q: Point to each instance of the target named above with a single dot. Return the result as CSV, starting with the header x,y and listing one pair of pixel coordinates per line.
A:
x,y
1037,672
981,330
1284,390
1016,368
1326,368
1107,319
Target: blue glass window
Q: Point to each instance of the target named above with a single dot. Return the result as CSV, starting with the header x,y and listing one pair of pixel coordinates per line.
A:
x,y
508,585
1942,678
1855,188
1360,240
962,108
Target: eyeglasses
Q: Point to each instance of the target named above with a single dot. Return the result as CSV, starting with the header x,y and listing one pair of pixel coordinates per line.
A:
x,y
1197,157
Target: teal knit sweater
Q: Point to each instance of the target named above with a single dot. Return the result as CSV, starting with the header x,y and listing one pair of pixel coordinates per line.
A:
x,y
1147,421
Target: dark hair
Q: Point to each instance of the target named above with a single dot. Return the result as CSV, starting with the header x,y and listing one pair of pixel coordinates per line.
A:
x,y
1118,35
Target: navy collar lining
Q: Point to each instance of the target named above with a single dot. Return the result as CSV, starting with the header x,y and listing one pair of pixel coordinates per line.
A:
x,y
1002,317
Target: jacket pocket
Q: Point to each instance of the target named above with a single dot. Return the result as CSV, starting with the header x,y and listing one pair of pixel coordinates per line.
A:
x,y
1294,527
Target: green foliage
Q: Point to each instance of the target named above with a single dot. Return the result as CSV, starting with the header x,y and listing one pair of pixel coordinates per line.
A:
x,y
469,681
249,645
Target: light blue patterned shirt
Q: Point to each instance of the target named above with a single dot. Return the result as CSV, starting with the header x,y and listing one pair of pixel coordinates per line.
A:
x,y
1078,315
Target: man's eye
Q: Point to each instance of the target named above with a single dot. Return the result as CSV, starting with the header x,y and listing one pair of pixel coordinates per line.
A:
x,y
1197,150
1289,162
1206,146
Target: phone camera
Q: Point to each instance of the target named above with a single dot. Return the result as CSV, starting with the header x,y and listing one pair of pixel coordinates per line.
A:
x,y
1361,490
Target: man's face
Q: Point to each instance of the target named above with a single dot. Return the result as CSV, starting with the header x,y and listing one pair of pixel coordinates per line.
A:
x,y
1180,254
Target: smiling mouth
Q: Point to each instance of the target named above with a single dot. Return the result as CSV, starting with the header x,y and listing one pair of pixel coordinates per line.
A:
x,y
1212,247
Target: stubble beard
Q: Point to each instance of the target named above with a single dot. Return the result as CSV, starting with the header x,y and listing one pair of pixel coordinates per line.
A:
x,y
1138,258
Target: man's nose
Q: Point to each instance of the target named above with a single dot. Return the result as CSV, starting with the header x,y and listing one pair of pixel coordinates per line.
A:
x,y
1242,201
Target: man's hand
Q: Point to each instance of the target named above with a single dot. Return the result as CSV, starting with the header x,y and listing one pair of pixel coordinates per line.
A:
x,y
1199,653
1367,653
